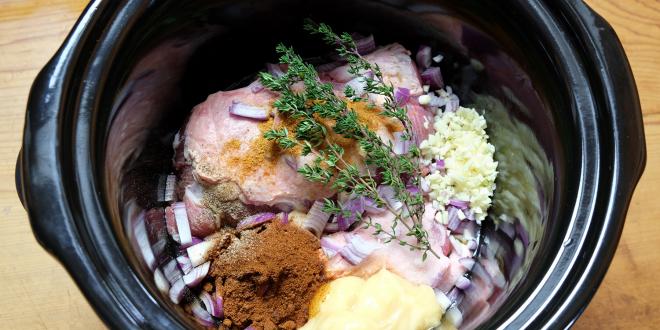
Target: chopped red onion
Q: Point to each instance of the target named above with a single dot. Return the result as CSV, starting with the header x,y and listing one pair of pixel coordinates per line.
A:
x,y
248,111
274,69
452,103
184,264
255,220
493,269
365,45
463,283
172,271
508,229
459,248
400,146
220,306
194,277
250,328
358,249
256,87
197,253
355,207
453,221
413,190
472,245
177,291
331,245
201,314
161,282
433,77
459,203
316,219
454,316
467,262
284,218
439,164
522,233
182,224
423,57
388,195
402,95
370,206
141,237
442,299
455,295
331,227
166,188
211,305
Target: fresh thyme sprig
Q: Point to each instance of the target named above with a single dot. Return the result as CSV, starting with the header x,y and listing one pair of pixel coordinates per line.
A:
x,y
318,100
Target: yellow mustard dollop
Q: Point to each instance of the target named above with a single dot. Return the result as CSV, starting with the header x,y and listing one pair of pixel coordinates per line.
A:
x,y
383,301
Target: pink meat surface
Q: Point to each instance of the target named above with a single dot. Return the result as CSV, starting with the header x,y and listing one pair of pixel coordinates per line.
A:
x,y
399,259
212,132
219,147
400,71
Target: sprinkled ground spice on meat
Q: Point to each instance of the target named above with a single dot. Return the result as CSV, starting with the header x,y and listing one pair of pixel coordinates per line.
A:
x,y
267,276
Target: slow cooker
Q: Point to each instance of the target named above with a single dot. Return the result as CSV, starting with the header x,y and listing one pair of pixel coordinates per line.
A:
x,y
103,112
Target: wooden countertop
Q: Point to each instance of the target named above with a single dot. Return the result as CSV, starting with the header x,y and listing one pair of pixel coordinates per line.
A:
x,y
37,292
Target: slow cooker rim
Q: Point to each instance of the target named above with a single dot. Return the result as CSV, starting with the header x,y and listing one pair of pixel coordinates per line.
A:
x,y
80,264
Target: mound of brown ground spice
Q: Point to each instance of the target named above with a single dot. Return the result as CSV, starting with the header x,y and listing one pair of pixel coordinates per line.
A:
x,y
267,276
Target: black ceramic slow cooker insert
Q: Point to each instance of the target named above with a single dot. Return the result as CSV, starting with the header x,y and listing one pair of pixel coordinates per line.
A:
x,y
103,113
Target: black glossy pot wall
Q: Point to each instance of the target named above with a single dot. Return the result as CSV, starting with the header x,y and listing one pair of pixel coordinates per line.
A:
x,y
102,115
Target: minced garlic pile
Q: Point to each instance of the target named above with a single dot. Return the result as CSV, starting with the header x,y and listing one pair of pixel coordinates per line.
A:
x,y
469,175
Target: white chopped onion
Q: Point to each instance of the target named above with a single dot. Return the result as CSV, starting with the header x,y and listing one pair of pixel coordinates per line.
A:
x,y
177,291
442,299
161,282
182,224
141,237
438,58
248,111
171,271
316,219
197,253
454,316
358,249
424,99
196,276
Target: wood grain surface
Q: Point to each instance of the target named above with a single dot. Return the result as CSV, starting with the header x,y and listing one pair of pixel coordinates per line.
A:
x,y
36,292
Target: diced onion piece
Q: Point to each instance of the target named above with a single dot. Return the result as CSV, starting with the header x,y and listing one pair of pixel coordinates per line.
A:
x,y
388,195
467,262
196,276
161,282
423,57
400,146
177,291
365,45
463,283
493,269
454,316
201,315
358,249
198,252
402,95
255,220
274,69
442,299
141,237
432,77
166,188
438,58
248,111
184,264
330,245
316,219
171,271
182,224
459,203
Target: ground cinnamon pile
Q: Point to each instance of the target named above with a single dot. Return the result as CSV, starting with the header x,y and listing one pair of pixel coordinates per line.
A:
x,y
267,276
